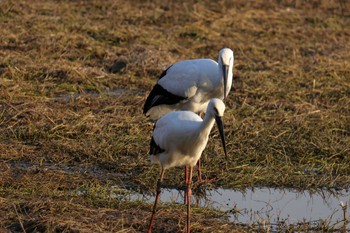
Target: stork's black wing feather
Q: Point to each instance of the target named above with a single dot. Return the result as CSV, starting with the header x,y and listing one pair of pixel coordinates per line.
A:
x,y
159,96
154,148
164,72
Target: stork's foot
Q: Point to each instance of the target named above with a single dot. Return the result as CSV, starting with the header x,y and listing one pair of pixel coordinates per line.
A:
x,y
204,181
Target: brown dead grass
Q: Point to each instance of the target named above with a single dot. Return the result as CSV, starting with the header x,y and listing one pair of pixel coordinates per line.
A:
x,y
75,74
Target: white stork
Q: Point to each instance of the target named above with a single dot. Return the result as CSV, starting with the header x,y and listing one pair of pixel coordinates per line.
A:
x,y
179,139
189,85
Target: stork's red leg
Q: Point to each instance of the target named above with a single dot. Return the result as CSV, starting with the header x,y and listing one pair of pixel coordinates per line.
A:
x,y
186,182
156,200
199,170
200,180
189,193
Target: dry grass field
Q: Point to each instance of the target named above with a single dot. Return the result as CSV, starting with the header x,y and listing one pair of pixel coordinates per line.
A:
x,y
74,76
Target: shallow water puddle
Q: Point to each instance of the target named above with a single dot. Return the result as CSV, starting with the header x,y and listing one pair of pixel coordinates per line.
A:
x,y
267,205
253,206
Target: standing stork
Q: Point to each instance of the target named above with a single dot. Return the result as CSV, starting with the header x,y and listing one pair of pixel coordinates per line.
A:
x,y
189,85
179,139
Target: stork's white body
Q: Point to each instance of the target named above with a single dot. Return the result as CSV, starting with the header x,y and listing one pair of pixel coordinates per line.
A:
x,y
198,80
183,135
190,84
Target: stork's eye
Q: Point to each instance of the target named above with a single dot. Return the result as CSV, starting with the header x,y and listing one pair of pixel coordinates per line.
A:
x,y
216,111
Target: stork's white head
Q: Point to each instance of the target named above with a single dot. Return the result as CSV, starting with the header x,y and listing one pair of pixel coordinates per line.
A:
x,y
226,59
216,108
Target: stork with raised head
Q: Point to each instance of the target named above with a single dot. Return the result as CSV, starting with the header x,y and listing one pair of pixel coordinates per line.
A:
x,y
189,85
179,139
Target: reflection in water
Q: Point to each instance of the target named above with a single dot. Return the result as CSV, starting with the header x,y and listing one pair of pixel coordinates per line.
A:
x,y
266,205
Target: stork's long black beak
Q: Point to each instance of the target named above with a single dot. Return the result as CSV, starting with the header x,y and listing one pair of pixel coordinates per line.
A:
x,y
218,120
225,69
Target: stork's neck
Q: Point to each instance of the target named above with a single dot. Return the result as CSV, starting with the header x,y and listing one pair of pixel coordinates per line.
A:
x,y
206,125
